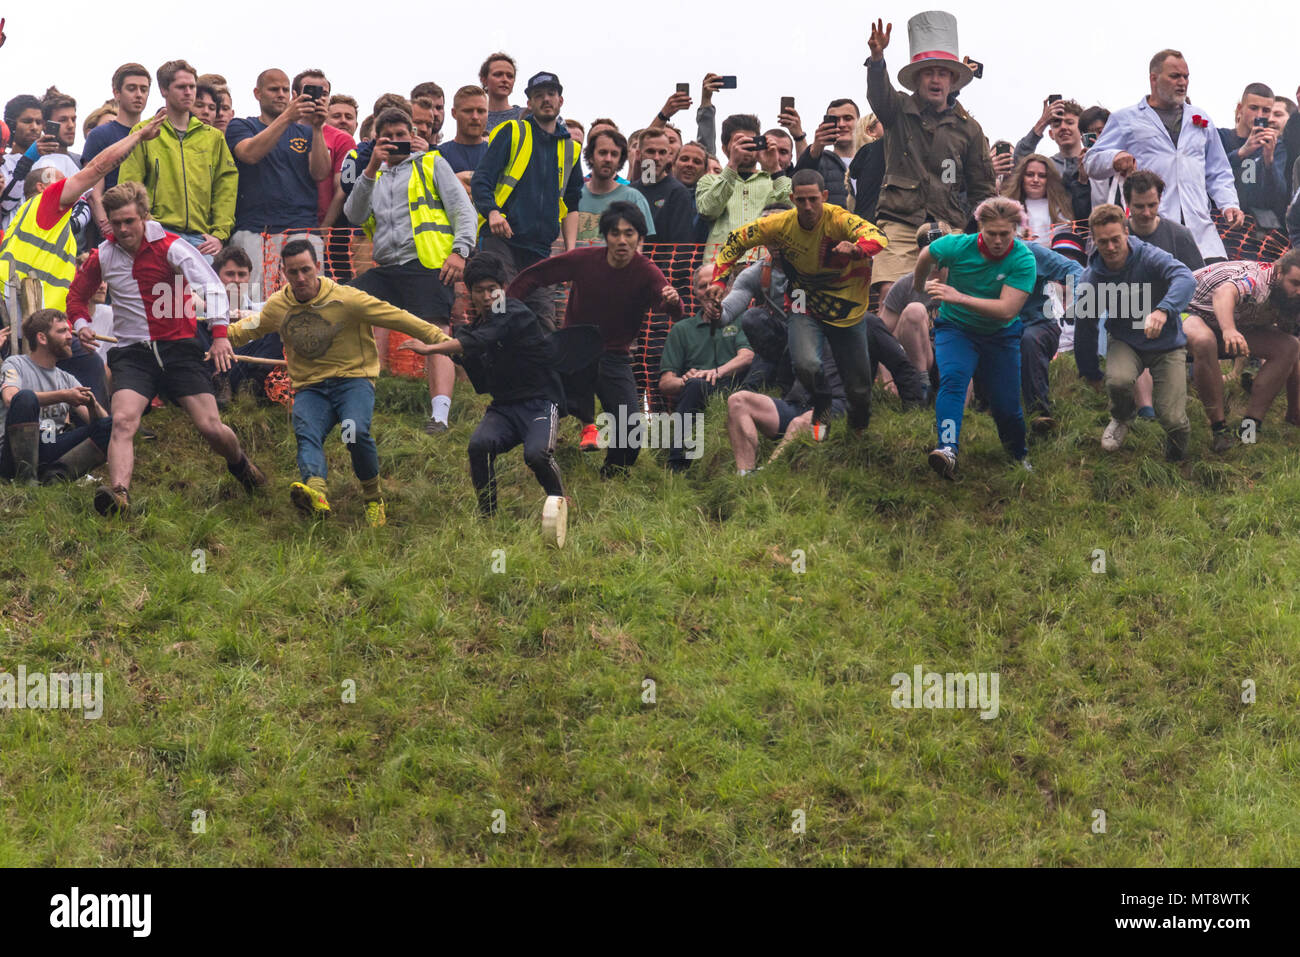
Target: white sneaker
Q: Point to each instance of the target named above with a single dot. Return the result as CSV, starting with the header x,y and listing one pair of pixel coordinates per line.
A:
x,y
1114,435
555,520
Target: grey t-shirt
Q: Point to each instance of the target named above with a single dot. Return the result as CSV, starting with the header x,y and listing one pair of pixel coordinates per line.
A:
x,y
1175,239
21,372
901,295
1173,120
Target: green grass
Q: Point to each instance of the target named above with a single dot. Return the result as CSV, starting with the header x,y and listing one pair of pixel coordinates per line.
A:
x,y
522,691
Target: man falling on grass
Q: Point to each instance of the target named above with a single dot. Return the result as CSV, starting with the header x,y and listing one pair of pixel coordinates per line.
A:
x,y
506,352
333,363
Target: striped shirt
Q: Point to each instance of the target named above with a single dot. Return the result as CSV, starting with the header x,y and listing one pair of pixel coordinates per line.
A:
x,y
1252,280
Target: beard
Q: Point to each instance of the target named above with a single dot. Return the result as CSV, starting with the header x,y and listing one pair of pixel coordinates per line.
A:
x,y
1286,308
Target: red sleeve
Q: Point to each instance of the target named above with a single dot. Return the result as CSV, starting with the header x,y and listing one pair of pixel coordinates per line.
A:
x,y
546,272
49,209
84,285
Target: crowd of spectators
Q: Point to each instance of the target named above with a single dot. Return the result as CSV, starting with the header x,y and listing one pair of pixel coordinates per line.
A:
x,y
899,247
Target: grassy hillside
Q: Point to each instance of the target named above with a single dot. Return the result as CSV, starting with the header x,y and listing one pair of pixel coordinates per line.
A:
x,y
523,692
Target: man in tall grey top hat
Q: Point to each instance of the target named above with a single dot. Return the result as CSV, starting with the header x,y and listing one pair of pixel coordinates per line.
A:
x,y
936,157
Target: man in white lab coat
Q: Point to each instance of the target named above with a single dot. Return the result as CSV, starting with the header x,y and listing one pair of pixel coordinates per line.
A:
x,y
1164,133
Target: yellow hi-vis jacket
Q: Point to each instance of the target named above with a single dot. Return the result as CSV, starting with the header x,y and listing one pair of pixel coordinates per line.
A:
x,y
49,255
430,224
521,151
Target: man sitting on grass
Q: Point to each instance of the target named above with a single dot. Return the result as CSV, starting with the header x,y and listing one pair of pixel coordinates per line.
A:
x,y
752,413
38,439
333,363
508,354
701,356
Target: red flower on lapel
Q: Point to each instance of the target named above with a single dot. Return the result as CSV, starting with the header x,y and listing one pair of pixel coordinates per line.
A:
x,y
1198,120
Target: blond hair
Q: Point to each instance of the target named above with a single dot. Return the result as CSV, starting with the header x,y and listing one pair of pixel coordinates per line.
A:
x,y
124,194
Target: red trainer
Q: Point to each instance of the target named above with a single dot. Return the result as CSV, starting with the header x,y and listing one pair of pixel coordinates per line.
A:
x,y
590,438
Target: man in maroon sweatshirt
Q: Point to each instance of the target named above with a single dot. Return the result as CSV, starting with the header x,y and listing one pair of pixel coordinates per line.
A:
x,y
612,288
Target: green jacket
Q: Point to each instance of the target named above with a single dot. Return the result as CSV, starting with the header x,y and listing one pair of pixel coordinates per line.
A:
x,y
192,180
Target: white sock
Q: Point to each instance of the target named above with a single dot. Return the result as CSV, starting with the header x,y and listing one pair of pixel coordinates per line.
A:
x,y
441,408
743,471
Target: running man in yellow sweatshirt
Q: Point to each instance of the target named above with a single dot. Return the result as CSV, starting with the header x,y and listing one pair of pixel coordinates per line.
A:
x,y
333,362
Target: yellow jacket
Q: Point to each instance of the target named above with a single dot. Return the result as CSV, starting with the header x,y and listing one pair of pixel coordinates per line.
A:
x,y
330,337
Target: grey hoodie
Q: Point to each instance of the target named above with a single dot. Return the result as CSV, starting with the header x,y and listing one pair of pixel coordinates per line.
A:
x,y
386,197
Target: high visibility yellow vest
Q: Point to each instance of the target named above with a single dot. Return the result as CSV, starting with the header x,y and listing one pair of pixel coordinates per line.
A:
x,y
49,255
429,222
521,151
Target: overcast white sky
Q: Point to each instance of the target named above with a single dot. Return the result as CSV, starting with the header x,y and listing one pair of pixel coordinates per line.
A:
x,y
623,62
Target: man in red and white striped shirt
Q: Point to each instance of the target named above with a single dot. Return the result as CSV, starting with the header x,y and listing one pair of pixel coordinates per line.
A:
x,y
153,277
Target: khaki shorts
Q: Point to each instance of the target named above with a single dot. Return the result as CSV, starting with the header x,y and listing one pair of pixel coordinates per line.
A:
x,y
898,258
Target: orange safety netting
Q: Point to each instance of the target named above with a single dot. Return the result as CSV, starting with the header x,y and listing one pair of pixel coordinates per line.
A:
x,y
347,254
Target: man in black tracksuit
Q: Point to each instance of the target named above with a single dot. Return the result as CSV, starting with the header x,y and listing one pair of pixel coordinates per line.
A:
x,y
506,353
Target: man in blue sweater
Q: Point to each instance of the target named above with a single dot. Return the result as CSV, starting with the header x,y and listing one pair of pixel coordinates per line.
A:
x,y
1124,277
527,186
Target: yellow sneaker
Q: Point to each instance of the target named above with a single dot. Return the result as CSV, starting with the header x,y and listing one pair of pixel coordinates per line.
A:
x,y
376,516
309,500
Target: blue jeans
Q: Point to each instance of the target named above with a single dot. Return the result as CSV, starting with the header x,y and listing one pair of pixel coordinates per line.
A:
x,y
317,408
849,347
994,360
196,240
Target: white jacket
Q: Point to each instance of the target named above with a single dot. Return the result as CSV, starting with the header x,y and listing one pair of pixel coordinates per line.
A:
x,y
1194,171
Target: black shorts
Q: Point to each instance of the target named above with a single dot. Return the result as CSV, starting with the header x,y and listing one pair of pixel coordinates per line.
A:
x,y
410,286
173,369
787,412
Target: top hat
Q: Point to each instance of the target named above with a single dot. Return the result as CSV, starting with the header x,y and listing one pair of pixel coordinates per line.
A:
x,y
933,38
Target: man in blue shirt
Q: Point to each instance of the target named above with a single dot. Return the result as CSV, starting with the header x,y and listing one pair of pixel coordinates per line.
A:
x,y
469,110
280,161
131,82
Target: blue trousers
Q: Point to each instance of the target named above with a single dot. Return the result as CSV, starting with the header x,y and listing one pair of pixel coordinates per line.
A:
x,y
994,360
349,403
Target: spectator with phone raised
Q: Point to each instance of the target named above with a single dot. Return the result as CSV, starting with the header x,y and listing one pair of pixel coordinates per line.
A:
x,y
421,224
831,148
28,143
1061,121
281,155
716,194
1258,160
705,115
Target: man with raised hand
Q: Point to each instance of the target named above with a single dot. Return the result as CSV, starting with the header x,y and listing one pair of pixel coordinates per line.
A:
x,y
329,345
937,162
153,277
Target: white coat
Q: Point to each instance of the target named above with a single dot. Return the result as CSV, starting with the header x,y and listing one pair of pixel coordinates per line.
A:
x,y
1194,171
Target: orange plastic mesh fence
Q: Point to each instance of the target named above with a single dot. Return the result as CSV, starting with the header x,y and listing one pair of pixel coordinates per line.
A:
x,y
347,253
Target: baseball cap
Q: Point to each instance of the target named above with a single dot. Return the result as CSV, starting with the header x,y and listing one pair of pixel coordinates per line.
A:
x,y
542,79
